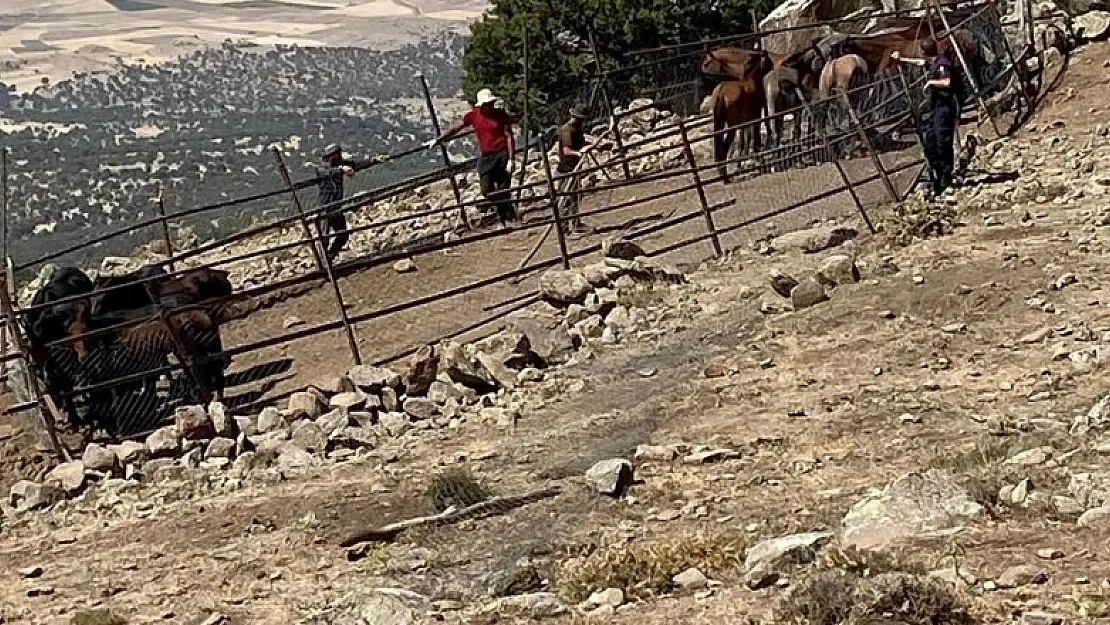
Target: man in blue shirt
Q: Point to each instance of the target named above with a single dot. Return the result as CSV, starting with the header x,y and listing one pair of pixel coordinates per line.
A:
x,y
329,195
942,85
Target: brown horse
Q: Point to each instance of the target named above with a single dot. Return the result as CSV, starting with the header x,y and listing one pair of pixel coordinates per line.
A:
x,y
729,63
735,102
845,72
876,49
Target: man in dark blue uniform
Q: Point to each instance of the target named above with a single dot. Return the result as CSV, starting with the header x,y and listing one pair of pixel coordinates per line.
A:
x,y
942,85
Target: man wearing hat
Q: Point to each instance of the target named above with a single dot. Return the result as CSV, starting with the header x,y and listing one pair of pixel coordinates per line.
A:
x,y
572,144
493,129
329,194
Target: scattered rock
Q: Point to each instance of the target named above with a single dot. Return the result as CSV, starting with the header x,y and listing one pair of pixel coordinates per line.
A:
x,y
270,420
838,270
225,424
1095,518
1021,575
380,606
549,341
1036,617
783,284
100,458
353,400
372,379
28,495
910,506
309,404
459,368
419,408
1030,457
193,423
131,452
563,287
807,293
536,605
515,579
814,240
69,476
293,457
770,556
220,447
611,477
691,579
309,437
612,597
291,322
621,248
405,265
502,375
100,616
657,453
1092,26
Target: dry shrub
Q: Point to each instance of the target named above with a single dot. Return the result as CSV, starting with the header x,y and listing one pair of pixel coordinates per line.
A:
x,y
456,487
868,563
644,569
840,598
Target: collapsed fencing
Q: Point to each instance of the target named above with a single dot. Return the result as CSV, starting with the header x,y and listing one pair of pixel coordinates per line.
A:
x,y
437,290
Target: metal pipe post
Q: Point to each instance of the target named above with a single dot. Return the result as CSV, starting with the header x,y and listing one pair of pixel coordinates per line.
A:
x,y
442,148
867,144
964,65
165,222
716,240
322,255
553,200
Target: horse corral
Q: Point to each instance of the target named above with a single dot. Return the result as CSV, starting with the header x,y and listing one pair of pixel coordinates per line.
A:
x,y
120,353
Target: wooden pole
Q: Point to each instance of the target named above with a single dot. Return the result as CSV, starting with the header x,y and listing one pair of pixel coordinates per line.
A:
x,y
713,237
442,148
47,412
524,122
867,144
322,254
178,346
964,65
1019,71
165,223
553,200
4,251
316,251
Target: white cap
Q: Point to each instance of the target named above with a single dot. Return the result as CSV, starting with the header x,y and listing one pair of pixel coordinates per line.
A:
x,y
485,96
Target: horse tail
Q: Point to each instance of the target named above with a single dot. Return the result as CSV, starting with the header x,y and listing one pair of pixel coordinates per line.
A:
x,y
720,122
708,103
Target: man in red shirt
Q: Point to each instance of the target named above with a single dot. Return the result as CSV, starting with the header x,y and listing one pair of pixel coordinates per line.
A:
x,y
493,128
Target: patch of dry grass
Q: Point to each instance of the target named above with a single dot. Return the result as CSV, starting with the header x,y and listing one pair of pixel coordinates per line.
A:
x,y
645,569
456,487
843,598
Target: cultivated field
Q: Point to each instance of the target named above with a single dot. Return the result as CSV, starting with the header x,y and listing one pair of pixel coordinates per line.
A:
x,y
56,38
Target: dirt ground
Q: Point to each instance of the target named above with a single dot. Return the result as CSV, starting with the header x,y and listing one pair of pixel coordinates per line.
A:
x,y
813,401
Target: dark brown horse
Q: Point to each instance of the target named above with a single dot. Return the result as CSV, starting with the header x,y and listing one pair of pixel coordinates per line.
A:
x,y
876,49
735,103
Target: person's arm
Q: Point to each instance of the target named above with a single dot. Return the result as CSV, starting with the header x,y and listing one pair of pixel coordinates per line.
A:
x,y
511,139
564,143
943,78
330,173
368,162
897,56
452,131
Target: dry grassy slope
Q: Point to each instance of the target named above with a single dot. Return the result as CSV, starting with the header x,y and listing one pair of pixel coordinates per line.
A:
x,y
816,430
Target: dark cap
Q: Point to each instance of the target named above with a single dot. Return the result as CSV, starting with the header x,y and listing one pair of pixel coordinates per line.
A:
x,y
579,112
331,150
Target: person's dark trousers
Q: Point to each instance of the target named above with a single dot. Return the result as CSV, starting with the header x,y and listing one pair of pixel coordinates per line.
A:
x,y
333,222
495,181
940,134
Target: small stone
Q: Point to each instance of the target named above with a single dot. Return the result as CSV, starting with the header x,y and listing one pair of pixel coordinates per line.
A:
x,y
563,287
808,293
309,437
30,572
611,477
220,447
536,605
100,458
710,455
1066,505
1050,554
783,284
394,423
270,420
907,417
1095,517
225,424
192,423
1036,617
657,453
293,458
1021,575
612,597
837,270
691,579
919,279
28,495
131,452
405,265
333,421
291,322
353,400
309,404
1029,457
419,408
69,476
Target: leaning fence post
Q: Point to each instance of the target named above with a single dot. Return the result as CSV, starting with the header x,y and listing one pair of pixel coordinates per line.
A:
x,y
165,223
442,148
964,65
4,248
614,122
823,138
701,190
553,200
45,409
862,132
322,255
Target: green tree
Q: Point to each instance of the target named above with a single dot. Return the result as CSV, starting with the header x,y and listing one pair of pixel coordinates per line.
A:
x,y
559,44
